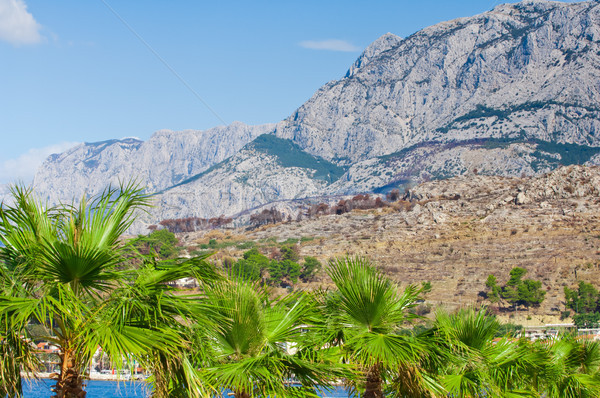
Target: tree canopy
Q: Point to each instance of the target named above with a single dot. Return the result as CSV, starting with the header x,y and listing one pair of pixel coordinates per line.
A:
x,y
516,291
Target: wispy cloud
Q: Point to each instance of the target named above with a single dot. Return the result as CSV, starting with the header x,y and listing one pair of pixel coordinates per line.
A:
x,y
17,25
329,45
23,168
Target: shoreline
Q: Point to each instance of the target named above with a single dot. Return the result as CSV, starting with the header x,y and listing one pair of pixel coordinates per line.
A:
x,y
91,376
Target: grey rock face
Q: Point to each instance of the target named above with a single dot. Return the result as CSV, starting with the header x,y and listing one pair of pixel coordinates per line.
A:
x,y
529,69
247,180
384,43
571,182
166,159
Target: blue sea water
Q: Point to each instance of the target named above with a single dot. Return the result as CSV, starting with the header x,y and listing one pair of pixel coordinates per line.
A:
x,y
95,388
113,389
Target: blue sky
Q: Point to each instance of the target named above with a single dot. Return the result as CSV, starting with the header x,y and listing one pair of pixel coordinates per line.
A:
x,y
73,72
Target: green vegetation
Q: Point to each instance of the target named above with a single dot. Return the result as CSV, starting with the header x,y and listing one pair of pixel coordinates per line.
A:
x,y
517,291
251,265
585,299
65,268
247,339
589,320
481,111
282,271
509,329
569,153
291,155
214,244
245,245
466,357
68,278
161,242
364,316
310,268
585,302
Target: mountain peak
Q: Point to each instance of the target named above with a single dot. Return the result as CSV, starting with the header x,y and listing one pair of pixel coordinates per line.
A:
x,y
383,43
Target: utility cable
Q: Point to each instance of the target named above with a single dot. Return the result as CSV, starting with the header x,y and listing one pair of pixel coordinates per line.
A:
x,y
165,63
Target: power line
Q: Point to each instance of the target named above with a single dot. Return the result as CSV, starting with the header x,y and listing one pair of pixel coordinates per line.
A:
x,y
165,63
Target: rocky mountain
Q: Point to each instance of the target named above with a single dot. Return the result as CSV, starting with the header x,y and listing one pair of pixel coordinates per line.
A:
x,y
266,170
522,71
509,92
166,159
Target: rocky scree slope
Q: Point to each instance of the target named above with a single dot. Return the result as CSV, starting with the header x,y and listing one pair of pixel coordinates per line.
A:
x,y
455,232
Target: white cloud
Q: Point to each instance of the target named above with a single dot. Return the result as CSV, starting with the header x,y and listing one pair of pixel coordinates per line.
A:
x,y
24,167
329,45
17,25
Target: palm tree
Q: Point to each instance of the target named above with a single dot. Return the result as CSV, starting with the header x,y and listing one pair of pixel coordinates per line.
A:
x,y
152,303
475,363
570,367
364,316
16,353
66,268
256,345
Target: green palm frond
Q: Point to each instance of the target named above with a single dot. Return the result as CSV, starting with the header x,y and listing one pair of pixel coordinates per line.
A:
x,y
16,355
256,343
468,328
369,300
109,215
571,368
477,363
364,317
65,268
158,273
87,268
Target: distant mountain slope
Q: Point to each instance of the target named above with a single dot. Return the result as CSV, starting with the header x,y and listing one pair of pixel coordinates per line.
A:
x,y
512,91
167,158
265,170
531,68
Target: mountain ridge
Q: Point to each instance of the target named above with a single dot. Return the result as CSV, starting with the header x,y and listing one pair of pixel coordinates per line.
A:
x,y
496,93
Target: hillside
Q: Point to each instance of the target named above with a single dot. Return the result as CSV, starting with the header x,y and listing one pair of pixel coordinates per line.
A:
x,y
455,232
166,159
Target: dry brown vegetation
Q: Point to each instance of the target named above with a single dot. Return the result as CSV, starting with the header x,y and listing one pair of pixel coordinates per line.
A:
x,y
455,232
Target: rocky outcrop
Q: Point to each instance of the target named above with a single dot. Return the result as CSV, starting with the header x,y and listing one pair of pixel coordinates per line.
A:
x,y
375,49
455,232
249,179
563,183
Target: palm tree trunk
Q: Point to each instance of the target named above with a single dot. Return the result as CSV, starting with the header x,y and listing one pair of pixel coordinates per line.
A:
x,y
70,382
241,394
373,387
